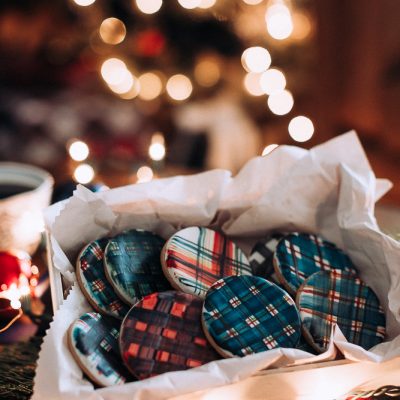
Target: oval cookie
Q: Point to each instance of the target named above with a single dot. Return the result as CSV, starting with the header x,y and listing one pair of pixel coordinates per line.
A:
x,y
93,283
93,342
243,315
132,265
163,333
196,257
337,297
299,255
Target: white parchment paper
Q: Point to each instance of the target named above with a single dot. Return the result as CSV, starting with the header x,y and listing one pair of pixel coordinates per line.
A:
x,y
330,190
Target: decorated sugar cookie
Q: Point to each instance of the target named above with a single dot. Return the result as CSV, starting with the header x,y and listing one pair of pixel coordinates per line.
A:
x,y
299,255
196,257
132,265
163,333
337,297
93,283
243,315
93,342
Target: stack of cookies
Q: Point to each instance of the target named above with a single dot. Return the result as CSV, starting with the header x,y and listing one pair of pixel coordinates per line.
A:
x,y
196,297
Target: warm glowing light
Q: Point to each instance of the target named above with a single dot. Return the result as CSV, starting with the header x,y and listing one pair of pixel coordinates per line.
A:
x,y
280,103
179,87
252,2
113,71
301,129
207,3
272,81
189,4
3,287
34,282
84,3
279,21
133,92
125,85
78,151
144,174
15,304
151,86
84,173
268,149
256,59
252,84
301,26
112,31
207,72
149,6
24,290
157,151
34,270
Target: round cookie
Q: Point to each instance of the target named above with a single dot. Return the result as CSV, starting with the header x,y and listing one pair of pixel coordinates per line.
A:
x,y
93,283
163,333
299,255
93,342
337,297
196,257
132,265
243,315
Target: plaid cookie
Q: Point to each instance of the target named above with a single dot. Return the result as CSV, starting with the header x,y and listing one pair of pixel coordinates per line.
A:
x,y
132,265
194,258
261,258
247,314
163,333
93,283
299,255
93,342
337,297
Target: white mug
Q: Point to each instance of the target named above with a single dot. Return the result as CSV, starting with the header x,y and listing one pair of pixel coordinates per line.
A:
x,y
25,191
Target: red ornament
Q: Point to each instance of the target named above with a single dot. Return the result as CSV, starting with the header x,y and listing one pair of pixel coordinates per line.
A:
x,y
150,43
12,265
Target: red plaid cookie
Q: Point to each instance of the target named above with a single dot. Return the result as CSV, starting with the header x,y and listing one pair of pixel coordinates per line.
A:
x,y
163,333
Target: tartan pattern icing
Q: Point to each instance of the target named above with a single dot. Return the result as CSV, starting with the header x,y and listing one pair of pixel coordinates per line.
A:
x,y
94,341
299,255
93,280
163,333
132,264
262,321
339,297
196,257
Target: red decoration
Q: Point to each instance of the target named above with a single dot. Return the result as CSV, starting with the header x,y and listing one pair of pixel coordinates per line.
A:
x,y
150,43
10,269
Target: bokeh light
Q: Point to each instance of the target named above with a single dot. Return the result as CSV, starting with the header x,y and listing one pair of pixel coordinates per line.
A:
x,y
268,149
301,26
207,3
113,70
144,174
84,173
252,84
279,21
84,3
112,31
252,2
148,6
78,150
179,87
280,103
133,92
150,86
301,128
125,85
272,81
207,72
157,151
256,59
189,4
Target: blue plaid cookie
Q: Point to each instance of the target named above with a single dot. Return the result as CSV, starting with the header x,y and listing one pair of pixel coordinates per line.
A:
x,y
132,265
93,342
93,283
337,297
243,315
299,255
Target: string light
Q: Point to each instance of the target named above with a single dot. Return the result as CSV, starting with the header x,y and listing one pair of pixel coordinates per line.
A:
x,y
279,21
280,103
157,147
84,173
179,87
125,85
78,151
207,72
268,149
113,70
144,174
301,128
189,4
112,31
272,81
207,3
252,84
256,59
252,2
151,86
133,92
84,3
149,6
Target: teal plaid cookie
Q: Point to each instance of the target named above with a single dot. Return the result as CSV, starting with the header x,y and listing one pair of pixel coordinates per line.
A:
x,y
196,257
299,255
243,315
337,297
93,283
132,265
93,342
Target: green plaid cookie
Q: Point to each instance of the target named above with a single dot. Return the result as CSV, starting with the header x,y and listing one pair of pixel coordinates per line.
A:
x,y
337,297
132,265
196,257
299,255
93,342
243,315
93,283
